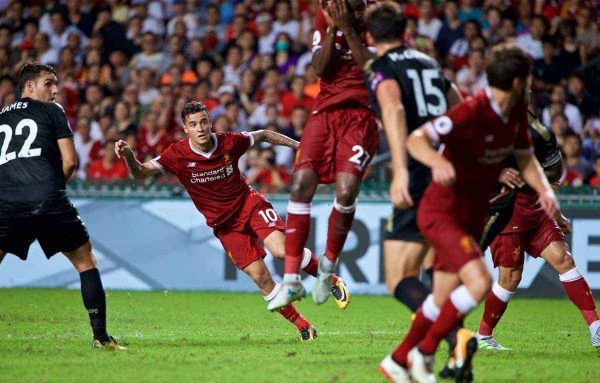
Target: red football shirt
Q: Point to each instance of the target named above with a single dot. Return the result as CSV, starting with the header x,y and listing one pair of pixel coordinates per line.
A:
x,y
345,80
212,179
477,140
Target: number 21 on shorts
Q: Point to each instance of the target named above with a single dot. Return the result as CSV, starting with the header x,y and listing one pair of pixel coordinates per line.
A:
x,y
360,157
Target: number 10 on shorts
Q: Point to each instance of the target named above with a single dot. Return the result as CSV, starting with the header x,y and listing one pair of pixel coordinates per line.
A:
x,y
269,215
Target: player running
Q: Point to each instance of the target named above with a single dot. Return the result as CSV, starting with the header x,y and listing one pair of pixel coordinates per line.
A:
x,y
530,229
339,141
409,89
37,155
207,165
479,134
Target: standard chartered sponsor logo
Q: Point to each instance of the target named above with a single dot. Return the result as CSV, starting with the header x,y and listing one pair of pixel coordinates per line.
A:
x,y
211,175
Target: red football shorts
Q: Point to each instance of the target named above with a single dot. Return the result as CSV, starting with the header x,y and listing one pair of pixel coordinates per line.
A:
x,y
242,234
508,248
454,246
343,139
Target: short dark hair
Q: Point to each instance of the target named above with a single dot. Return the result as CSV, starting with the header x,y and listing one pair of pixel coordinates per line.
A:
x,y
386,22
507,62
193,107
31,72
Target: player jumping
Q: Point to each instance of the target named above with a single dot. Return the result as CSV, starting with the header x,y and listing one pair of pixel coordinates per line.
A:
x,y
531,230
36,158
207,165
479,135
339,141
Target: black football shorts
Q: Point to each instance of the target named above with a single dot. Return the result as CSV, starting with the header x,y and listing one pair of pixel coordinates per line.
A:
x,y
59,229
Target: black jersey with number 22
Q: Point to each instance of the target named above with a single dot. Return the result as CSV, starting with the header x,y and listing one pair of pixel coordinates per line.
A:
x,y
31,173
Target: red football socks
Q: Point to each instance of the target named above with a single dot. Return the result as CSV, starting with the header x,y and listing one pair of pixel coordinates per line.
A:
x,y
290,313
296,235
449,317
340,223
494,309
580,294
313,266
417,331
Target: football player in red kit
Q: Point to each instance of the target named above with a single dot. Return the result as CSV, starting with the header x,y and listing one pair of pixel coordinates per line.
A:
x,y
339,141
207,165
479,135
530,230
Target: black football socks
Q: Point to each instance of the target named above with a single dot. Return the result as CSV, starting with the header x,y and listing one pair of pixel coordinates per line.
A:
x,y
94,301
412,292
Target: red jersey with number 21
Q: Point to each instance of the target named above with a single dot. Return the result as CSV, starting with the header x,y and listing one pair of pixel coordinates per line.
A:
x,y
477,140
212,179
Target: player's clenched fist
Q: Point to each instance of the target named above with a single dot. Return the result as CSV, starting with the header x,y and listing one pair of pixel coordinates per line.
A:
x,y
121,147
442,171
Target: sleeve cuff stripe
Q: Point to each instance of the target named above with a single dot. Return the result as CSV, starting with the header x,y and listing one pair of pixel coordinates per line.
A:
x,y
523,152
158,166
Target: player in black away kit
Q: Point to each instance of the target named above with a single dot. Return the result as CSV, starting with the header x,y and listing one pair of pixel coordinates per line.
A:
x,y
37,155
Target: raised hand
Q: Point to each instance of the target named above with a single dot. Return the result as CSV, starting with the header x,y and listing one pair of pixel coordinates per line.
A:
x,y
121,147
339,13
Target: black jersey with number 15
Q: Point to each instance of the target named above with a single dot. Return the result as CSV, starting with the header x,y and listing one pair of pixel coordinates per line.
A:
x,y
31,173
423,88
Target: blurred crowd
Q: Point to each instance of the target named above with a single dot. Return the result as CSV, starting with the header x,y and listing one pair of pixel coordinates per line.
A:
x,y
126,69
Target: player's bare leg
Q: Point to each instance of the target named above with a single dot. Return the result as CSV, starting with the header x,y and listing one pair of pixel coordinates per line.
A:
x,y
347,187
92,292
274,242
260,274
2,255
304,184
558,256
496,304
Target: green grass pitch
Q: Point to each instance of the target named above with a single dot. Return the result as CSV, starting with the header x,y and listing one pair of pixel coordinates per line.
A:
x,y
228,337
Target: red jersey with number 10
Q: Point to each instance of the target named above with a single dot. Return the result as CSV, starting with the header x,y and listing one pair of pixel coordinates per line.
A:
x,y
212,179
344,80
478,140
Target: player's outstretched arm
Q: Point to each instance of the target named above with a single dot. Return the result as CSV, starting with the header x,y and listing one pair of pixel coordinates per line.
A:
x,y
68,156
274,138
533,174
393,115
135,167
420,148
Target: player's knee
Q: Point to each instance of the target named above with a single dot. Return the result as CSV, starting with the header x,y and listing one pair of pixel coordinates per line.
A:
x,y
481,286
301,191
509,280
278,251
345,195
565,262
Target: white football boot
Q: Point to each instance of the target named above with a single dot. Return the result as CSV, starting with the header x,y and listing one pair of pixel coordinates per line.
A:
x,y
489,343
394,372
322,286
289,292
421,366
